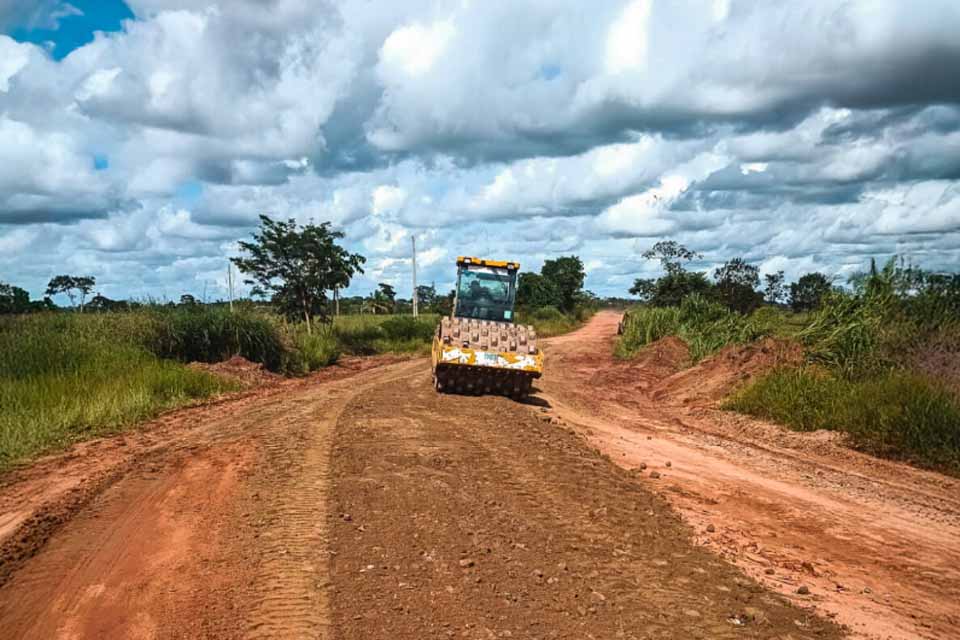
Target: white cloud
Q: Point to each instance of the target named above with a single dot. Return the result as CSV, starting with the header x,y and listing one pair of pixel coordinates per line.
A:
x,y
13,58
795,134
387,198
628,39
413,49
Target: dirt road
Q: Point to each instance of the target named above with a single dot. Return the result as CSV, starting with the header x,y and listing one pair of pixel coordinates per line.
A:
x,y
360,504
876,543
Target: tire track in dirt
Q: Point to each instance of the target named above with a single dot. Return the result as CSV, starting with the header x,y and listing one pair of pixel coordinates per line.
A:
x,y
292,547
469,517
184,528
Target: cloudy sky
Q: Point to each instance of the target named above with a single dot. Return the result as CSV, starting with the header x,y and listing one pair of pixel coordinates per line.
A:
x,y
140,140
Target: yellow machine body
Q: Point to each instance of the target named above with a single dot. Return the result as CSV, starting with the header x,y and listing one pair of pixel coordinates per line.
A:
x,y
479,348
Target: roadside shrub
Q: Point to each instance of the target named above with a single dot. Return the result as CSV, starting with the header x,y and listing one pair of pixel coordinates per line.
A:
x,y
64,377
895,414
645,325
310,352
550,321
408,328
705,326
369,335
205,334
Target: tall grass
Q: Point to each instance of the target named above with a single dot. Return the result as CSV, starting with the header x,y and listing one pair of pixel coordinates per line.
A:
x,y
211,334
550,321
372,334
704,325
67,377
894,414
881,364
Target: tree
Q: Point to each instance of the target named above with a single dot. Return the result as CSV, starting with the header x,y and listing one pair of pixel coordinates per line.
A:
x,y
46,304
426,297
297,265
567,275
445,303
672,256
534,291
386,296
644,288
677,283
671,289
807,292
103,303
774,289
737,283
187,300
13,299
73,286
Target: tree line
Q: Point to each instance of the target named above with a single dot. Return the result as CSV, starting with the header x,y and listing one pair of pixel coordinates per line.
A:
x,y
301,270
735,284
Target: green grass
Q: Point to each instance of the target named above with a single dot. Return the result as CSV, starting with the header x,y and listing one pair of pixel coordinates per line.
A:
x,y
372,334
550,321
705,326
895,414
68,376
64,378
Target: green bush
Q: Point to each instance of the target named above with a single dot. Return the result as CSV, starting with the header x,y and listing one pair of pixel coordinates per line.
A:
x,y
895,414
408,328
550,321
210,334
310,352
369,335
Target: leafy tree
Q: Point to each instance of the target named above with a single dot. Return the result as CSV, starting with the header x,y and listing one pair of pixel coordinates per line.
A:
x,y
672,256
46,304
297,265
677,283
807,292
534,291
13,299
187,300
103,303
426,297
567,275
737,283
671,289
445,303
386,297
73,286
775,289
644,288
386,291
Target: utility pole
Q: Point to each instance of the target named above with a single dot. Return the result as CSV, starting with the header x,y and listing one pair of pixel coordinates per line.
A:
x,y
230,284
336,300
413,239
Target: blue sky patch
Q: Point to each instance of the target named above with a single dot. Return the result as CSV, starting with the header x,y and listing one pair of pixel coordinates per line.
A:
x,y
69,25
189,192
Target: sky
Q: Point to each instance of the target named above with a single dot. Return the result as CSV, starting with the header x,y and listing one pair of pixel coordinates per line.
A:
x,y
139,141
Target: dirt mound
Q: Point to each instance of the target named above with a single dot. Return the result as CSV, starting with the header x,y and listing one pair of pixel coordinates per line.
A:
x,y
666,353
655,362
717,376
249,374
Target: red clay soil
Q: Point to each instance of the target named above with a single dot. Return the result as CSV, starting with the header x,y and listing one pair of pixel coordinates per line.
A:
x,y
248,374
872,543
360,504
